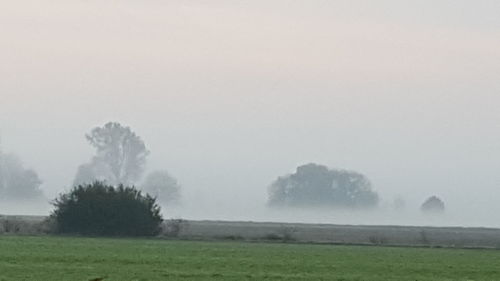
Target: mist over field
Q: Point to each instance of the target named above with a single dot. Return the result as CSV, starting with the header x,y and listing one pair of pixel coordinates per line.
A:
x,y
259,213
230,95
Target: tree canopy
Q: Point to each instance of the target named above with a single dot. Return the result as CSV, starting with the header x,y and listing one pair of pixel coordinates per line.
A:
x,y
16,181
316,185
120,156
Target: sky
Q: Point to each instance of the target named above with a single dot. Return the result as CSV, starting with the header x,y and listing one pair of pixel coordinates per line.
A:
x,y
229,95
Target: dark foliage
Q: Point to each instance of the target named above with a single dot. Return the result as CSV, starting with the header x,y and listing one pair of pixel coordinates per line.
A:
x,y
100,209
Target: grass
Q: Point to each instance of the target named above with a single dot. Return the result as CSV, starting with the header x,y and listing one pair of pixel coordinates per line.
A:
x,y
70,258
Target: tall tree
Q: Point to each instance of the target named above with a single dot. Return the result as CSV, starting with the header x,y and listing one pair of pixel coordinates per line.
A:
x,y
316,185
120,156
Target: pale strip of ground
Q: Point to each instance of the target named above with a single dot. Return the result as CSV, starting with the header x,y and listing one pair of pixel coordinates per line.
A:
x,y
454,237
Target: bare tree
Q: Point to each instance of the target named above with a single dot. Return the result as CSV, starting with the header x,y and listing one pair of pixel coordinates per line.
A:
x,y
120,156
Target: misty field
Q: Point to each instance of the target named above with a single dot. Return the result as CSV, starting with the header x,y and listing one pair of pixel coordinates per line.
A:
x,y
69,258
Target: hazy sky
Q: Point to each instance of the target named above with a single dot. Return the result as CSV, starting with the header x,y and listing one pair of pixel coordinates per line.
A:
x,y
228,95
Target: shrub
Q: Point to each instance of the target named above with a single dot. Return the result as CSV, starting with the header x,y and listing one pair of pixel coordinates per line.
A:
x,y
100,209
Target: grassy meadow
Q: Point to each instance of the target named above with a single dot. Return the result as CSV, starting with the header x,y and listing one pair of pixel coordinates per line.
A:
x,y
70,258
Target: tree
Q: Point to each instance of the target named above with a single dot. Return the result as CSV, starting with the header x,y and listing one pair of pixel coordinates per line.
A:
x,y
316,185
163,186
101,209
17,182
433,204
120,156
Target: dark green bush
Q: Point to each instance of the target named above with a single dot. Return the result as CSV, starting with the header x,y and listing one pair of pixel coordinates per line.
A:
x,y
100,209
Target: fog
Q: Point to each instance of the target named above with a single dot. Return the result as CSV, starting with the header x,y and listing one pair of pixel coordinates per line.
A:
x,y
230,95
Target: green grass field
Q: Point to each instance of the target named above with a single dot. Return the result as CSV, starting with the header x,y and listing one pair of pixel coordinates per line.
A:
x,y
67,258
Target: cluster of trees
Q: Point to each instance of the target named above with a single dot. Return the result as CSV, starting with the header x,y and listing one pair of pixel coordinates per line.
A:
x,y
314,185
317,185
121,155
103,209
105,201
120,158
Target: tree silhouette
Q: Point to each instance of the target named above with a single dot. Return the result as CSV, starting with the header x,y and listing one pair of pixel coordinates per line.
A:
x,y
316,185
120,156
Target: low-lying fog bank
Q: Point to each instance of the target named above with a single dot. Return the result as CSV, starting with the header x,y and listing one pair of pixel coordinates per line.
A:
x,y
380,216
231,211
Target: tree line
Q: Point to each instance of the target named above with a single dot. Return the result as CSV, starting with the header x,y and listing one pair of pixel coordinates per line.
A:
x,y
121,155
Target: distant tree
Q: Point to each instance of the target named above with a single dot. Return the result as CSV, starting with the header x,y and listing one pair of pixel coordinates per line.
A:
x,y
316,185
17,182
101,209
433,205
163,186
120,156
